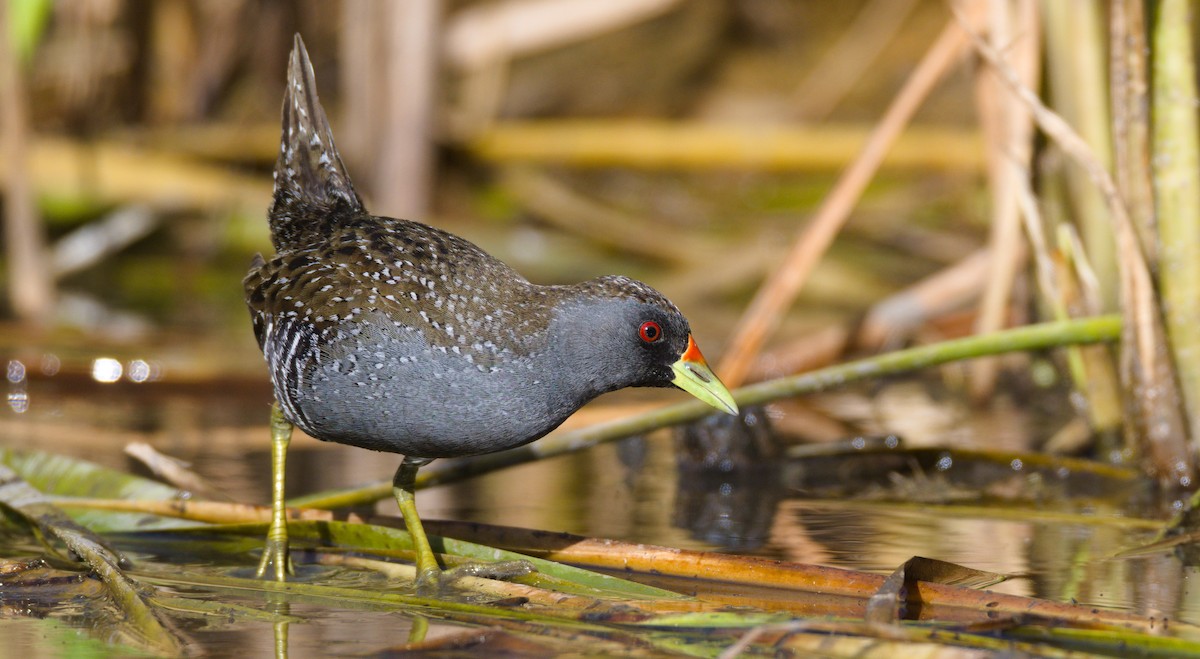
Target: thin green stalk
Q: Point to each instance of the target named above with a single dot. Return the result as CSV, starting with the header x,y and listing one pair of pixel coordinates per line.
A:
x,y
1076,67
1108,642
1177,192
1030,337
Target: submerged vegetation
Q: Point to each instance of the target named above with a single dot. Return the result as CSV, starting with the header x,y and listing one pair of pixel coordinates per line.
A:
x,y
184,585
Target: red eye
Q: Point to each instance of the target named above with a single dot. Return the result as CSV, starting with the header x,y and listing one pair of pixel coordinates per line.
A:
x,y
650,331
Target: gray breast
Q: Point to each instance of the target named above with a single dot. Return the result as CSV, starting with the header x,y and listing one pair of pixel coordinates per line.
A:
x,y
381,385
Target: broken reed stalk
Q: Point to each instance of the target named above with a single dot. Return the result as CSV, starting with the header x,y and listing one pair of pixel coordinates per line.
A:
x,y
1030,337
1014,28
1147,373
1130,92
403,167
1176,165
1130,102
776,294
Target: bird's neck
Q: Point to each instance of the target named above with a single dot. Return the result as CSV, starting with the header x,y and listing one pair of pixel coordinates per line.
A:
x,y
583,331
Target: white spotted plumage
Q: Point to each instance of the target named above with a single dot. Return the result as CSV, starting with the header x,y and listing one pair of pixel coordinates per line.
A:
x,y
396,336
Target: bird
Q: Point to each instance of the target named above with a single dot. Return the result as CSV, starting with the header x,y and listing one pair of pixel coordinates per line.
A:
x,y
395,336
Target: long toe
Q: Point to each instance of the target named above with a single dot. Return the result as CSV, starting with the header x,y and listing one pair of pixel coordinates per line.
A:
x,y
431,582
276,561
502,570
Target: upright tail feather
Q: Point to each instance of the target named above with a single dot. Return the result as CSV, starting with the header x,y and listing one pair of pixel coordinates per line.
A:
x,y
313,192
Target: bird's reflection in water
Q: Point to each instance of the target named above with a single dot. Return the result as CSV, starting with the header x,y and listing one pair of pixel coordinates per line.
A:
x,y
729,481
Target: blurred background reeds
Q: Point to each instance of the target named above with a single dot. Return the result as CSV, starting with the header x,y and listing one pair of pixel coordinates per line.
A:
x,y
810,181
685,142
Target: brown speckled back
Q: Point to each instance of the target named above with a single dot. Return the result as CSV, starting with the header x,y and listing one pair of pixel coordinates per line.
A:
x,y
396,336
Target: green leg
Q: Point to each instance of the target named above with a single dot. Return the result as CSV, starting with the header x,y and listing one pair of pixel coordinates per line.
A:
x,y
429,573
281,640
420,628
275,553
404,487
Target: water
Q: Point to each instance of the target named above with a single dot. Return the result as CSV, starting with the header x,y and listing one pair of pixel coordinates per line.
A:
x,y
1057,533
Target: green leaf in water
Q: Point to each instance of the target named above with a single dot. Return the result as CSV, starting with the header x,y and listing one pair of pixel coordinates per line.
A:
x,y
382,540
141,625
57,475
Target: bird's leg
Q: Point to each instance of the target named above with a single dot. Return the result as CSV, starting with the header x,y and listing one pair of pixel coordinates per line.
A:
x,y
275,553
429,574
404,487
